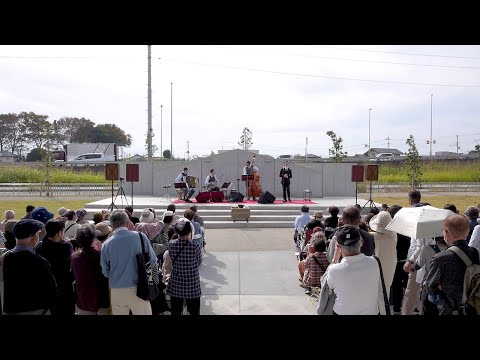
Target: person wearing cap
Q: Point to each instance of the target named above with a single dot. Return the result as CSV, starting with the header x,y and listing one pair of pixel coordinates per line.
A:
x,y
104,231
119,265
62,211
92,294
184,281
385,246
58,253
152,228
356,278
351,216
286,175
29,285
43,215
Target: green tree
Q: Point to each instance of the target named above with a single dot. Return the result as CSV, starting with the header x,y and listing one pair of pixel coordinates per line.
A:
x,y
167,154
7,121
73,130
413,163
298,156
37,154
246,139
36,128
111,133
477,147
336,152
154,147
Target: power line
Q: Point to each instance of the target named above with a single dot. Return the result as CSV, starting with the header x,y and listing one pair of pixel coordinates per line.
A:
x,y
359,60
316,76
402,53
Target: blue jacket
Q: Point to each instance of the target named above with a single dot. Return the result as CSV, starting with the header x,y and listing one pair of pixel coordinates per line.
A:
x,y
118,257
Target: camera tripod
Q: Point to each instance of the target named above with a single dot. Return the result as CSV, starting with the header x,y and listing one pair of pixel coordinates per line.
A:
x,y
370,201
120,192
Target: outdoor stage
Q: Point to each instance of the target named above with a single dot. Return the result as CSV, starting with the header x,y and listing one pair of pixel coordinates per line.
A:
x,y
219,214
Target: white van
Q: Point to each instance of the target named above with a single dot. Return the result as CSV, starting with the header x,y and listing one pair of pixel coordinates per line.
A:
x,y
89,158
383,157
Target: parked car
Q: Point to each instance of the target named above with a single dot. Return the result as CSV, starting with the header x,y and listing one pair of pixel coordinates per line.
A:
x,y
88,158
383,157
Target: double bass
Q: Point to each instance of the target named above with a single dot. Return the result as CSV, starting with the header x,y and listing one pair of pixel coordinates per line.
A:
x,y
255,189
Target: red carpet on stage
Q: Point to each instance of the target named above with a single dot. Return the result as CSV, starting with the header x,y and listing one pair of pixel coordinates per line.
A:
x,y
297,202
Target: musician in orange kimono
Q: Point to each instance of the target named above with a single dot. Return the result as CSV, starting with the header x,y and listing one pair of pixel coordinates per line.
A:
x,y
249,169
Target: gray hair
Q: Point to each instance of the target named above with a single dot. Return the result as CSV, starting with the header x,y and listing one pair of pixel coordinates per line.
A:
x,y
9,215
118,218
351,250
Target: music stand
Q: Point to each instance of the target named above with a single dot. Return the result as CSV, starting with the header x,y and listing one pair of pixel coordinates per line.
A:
x,y
180,186
225,187
247,177
166,197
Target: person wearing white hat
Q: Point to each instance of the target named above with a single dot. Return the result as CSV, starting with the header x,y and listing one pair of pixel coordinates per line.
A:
x,y
385,246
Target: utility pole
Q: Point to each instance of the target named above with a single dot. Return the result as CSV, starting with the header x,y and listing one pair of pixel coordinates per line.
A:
x,y
388,142
306,148
458,147
431,122
161,131
369,110
171,120
188,150
149,133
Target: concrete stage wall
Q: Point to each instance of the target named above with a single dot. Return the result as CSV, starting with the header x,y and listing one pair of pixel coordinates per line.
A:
x,y
323,179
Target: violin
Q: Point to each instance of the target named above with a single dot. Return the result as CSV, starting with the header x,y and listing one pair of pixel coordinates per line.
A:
x,y
255,189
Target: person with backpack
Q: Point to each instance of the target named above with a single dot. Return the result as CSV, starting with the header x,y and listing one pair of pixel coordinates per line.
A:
x,y
422,266
446,276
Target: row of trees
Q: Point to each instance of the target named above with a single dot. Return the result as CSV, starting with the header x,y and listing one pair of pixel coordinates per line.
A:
x,y
27,130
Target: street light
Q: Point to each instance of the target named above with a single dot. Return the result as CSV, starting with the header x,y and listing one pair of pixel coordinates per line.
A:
x,y
369,110
431,122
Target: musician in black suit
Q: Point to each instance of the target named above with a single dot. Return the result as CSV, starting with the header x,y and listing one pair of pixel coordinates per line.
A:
x,y
286,175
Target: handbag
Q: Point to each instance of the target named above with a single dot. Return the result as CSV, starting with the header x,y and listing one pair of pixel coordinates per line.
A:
x,y
385,297
147,283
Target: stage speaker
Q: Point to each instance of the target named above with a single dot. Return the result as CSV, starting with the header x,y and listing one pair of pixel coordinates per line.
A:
x,y
266,198
357,173
372,173
217,196
236,196
132,172
111,172
203,197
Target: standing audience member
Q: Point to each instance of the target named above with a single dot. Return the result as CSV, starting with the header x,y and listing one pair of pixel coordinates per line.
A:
x,y
81,217
71,225
472,215
351,216
91,286
119,265
451,207
385,246
444,280
58,254
29,284
28,210
131,215
9,245
197,231
43,215
9,217
400,278
97,217
184,281
356,278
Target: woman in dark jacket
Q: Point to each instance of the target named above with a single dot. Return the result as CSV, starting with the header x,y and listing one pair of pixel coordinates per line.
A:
x,y
58,252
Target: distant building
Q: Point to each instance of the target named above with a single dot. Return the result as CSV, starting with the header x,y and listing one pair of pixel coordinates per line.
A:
x,y
7,157
445,153
253,151
376,151
136,157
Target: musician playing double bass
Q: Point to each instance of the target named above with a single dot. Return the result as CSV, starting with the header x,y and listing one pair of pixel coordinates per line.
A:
x,y
187,192
249,169
211,182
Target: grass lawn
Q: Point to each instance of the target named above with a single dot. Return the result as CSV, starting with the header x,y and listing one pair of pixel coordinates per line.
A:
x,y
52,204
460,201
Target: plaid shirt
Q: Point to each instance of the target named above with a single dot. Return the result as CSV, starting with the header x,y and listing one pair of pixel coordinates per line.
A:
x,y
313,271
184,279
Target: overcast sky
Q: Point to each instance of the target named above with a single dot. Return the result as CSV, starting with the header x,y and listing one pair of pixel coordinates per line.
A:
x,y
284,94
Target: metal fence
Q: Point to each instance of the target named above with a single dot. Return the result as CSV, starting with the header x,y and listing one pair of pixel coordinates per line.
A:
x,y
42,189
427,187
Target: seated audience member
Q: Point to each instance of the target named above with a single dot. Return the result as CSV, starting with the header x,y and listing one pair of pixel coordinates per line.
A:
x,y
316,264
131,215
92,293
331,222
28,210
384,207
301,221
197,231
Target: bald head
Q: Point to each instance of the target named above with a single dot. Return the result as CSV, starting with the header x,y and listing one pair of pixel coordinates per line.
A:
x,y
456,228
9,215
351,215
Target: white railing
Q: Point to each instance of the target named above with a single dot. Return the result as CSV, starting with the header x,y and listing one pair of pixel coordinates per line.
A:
x,y
41,189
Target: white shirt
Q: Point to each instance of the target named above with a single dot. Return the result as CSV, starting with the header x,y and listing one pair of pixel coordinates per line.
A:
x,y
253,167
356,282
72,227
475,238
180,178
416,246
208,177
302,220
